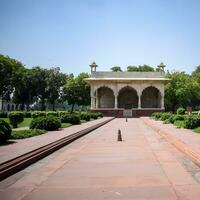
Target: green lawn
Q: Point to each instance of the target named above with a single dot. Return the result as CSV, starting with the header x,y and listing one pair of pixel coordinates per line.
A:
x,y
83,121
26,133
66,125
197,130
25,123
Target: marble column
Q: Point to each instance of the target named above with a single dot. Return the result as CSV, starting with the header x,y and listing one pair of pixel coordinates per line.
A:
x,y
139,101
116,101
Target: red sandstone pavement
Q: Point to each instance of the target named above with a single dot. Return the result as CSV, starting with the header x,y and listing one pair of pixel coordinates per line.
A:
x,y
142,166
19,147
187,136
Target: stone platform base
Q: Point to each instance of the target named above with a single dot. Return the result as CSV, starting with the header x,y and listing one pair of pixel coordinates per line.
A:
x,y
120,112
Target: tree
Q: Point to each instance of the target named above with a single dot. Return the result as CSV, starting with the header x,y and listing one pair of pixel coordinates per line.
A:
x,y
132,69
140,68
196,74
55,81
24,91
182,90
116,69
39,76
77,91
145,68
9,68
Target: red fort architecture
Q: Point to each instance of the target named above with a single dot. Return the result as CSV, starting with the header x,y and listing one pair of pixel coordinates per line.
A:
x,y
126,94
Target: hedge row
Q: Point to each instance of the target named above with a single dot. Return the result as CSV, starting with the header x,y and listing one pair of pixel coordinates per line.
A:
x,y
5,131
186,121
52,122
34,114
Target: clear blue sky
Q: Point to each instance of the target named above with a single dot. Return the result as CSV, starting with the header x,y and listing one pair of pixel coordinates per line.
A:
x,y
73,33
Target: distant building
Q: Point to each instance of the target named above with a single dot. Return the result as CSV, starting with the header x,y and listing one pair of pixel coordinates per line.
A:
x,y
126,94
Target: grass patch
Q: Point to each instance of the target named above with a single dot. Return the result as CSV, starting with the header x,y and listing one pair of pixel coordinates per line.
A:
x,y
83,121
197,130
26,133
25,123
179,124
66,125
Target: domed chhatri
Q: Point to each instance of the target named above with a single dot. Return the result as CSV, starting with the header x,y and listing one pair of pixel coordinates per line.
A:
x,y
93,67
126,94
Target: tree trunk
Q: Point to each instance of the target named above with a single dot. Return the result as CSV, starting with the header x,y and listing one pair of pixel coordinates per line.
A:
x,y
42,105
27,107
53,105
72,109
22,106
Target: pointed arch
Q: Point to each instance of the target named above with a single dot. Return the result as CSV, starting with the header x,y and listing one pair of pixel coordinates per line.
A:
x,y
151,97
127,98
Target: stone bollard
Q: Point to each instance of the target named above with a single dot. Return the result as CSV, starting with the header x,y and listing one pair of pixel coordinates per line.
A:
x,y
119,138
126,119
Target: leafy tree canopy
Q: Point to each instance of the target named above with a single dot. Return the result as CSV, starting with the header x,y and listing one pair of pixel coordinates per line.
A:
x,y
77,91
9,71
116,69
140,68
183,90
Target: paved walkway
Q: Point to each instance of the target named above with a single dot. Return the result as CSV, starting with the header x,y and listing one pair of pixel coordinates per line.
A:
x,y
18,147
186,136
142,166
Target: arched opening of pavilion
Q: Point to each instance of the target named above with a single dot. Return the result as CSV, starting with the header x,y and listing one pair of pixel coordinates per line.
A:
x,y
151,98
105,97
127,98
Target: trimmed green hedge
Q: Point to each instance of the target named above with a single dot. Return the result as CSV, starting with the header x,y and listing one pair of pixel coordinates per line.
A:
x,y
165,115
52,113
5,131
156,115
48,123
85,116
36,114
15,118
192,121
71,118
3,114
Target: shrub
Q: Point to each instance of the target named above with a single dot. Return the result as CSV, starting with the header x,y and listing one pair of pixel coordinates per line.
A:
x,y
179,124
3,114
27,114
48,123
180,111
36,114
85,116
94,115
70,118
5,131
171,118
52,113
165,116
175,117
61,113
192,121
99,114
156,115
26,133
16,118
178,118
167,121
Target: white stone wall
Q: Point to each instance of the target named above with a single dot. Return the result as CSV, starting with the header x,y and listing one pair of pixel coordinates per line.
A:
x,y
139,86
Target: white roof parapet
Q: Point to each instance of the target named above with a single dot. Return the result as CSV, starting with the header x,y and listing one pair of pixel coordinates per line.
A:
x,y
159,79
127,75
